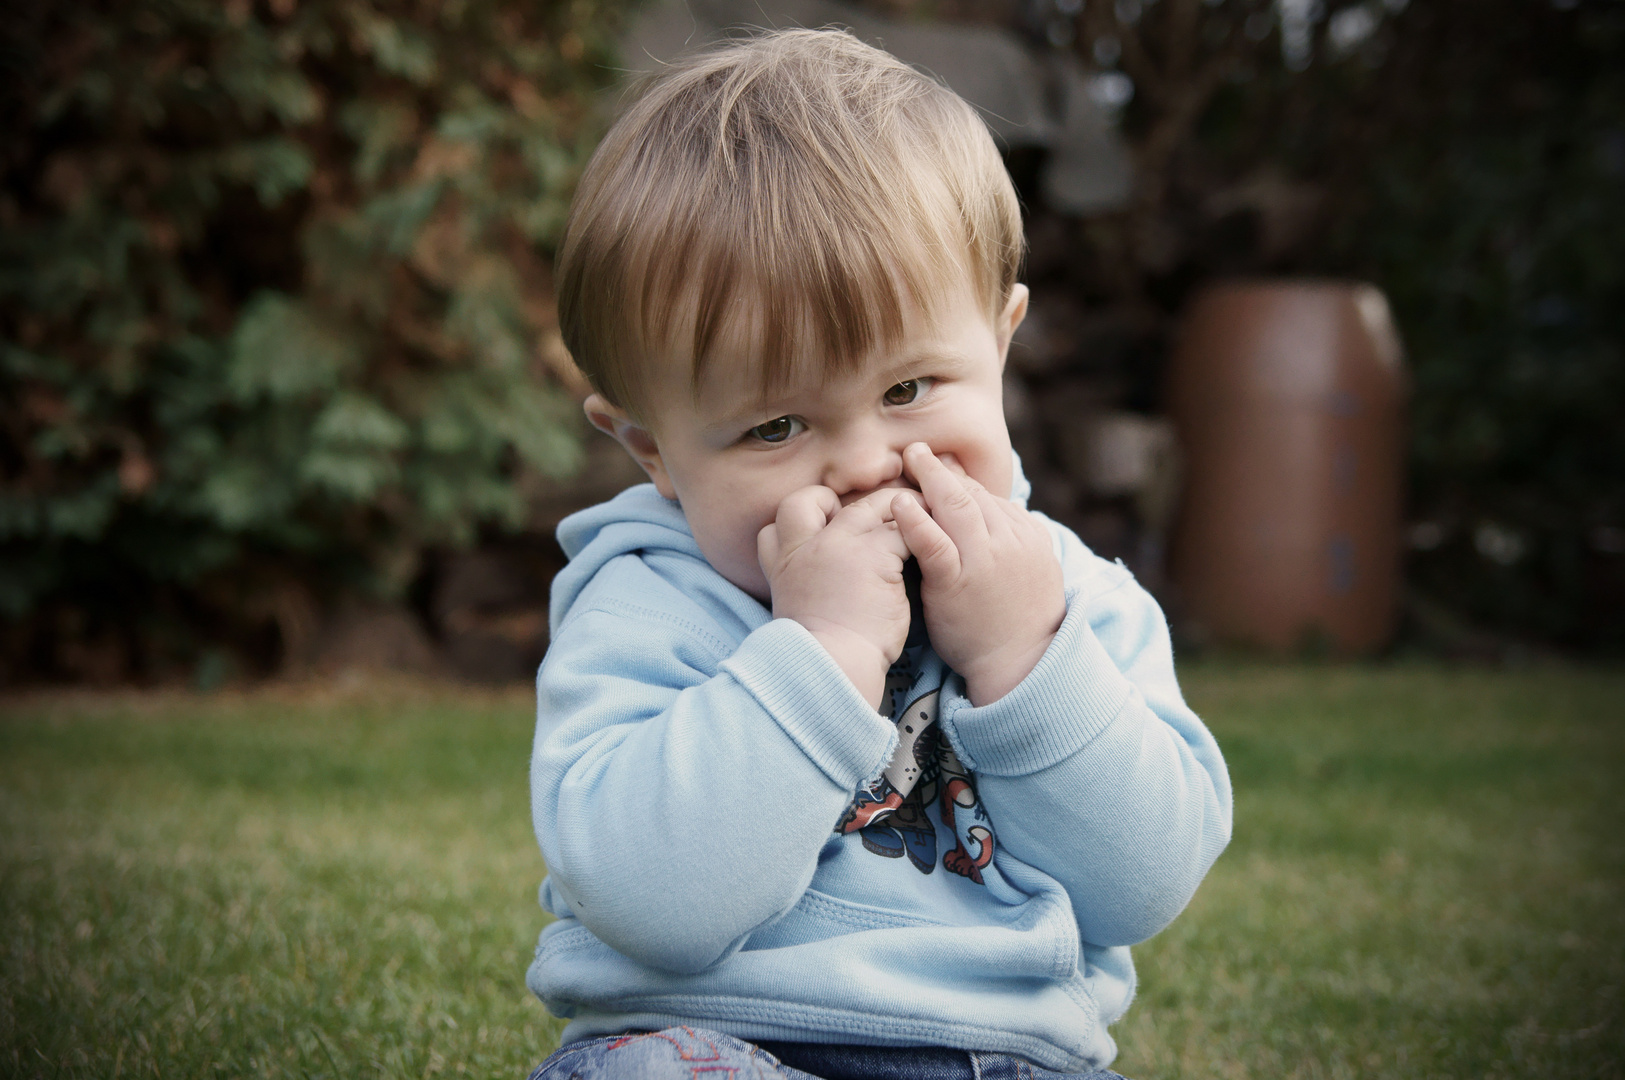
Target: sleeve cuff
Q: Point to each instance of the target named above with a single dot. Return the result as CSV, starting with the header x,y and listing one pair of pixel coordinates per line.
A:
x,y
1070,697
802,688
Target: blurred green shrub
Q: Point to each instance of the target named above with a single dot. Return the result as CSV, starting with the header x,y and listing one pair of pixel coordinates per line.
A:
x,y
275,309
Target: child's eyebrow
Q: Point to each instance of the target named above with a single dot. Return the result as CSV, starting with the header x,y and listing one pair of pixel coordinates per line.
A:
x,y
944,358
752,412
761,400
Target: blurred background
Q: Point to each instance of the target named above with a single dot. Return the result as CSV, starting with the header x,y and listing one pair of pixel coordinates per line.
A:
x,y
281,389
1327,343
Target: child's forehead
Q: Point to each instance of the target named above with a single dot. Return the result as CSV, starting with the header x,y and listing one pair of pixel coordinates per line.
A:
x,y
739,374
731,388
771,341
734,385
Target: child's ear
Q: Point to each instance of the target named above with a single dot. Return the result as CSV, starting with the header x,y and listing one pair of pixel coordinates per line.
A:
x,y
618,424
1015,310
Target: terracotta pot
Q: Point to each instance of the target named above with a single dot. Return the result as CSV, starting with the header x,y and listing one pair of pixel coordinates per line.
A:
x,y
1288,400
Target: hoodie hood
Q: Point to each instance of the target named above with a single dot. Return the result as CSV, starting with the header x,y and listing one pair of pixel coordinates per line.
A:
x,y
639,519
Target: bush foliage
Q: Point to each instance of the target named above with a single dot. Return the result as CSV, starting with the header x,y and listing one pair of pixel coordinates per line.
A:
x,y
1489,202
275,304
276,318
1468,156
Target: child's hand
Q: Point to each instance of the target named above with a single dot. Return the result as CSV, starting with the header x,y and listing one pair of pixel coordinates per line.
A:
x,y
990,582
838,571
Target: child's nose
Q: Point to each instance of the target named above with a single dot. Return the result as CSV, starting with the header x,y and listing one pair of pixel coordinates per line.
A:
x,y
861,460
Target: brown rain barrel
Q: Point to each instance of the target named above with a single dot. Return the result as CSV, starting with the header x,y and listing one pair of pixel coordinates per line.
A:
x,y
1288,399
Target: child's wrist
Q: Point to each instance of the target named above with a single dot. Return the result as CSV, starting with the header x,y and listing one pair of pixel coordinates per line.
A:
x,y
864,662
997,673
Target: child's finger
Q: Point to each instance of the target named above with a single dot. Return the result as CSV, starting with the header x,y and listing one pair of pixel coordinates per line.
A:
x,y
871,519
931,547
869,512
803,513
997,514
948,497
768,547
890,539
984,498
1018,517
1001,516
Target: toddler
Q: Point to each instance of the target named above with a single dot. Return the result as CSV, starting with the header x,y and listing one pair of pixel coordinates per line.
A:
x,y
847,764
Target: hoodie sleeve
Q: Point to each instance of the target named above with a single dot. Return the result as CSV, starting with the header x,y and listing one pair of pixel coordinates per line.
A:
x,y
1094,769
674,772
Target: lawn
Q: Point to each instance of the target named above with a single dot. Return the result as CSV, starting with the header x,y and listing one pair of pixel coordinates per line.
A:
x,y
1426,881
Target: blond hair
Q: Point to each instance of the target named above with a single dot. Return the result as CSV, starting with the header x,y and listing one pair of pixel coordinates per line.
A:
x,y
797,187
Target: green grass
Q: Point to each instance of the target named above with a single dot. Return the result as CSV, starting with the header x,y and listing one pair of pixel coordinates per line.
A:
x,y
275,885
1426,881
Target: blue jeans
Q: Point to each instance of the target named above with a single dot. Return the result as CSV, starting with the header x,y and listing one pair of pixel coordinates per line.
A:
x,y
685,1053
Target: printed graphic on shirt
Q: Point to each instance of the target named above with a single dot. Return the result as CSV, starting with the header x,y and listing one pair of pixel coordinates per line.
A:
x,y
890,815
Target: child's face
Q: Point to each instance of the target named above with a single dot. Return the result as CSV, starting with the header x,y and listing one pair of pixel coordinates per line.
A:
x,y
729,456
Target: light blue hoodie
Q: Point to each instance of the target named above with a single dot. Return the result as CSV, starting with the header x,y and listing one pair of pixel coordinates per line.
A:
x,y
694,758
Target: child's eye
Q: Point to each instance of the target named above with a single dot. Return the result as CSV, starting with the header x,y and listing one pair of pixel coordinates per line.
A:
x,y
906,392
775,431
